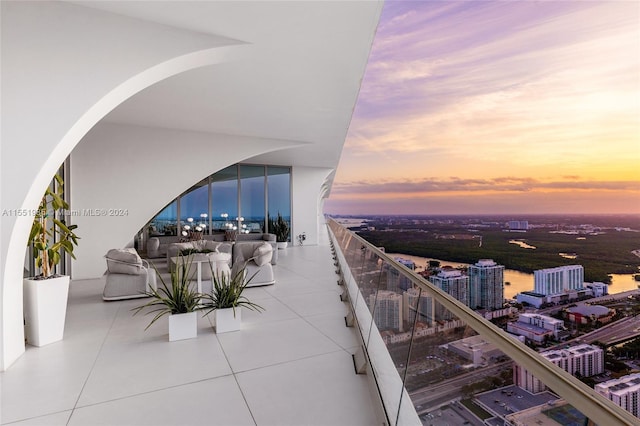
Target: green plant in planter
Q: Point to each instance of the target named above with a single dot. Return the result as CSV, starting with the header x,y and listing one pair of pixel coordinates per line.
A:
x,y
227,292
49,239
280,228
179,298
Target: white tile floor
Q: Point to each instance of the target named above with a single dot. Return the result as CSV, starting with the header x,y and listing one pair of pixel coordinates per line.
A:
x,y
290,365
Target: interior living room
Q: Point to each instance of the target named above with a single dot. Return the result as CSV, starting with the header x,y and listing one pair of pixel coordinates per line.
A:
x,y
145,108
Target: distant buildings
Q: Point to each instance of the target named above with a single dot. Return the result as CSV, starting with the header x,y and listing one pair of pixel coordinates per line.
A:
x,y
395,280
416,302
486,285
559,285
538,328
387,310
558,280
453,282
518,225
476,349
624,391
598,289
585,360
585,314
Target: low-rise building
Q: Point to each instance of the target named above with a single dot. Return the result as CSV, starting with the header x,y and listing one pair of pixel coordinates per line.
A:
x,y
624,391
585,360
586,314
476,349
538,328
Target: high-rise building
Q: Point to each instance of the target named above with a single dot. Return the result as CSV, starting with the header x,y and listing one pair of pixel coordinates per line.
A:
x,y
558,280
624,391
397,282
456,284
387,310
585,360
415,301
486,285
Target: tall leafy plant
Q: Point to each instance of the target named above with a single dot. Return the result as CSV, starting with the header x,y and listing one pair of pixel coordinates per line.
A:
x,y
227,291
280,228
178,298
51,236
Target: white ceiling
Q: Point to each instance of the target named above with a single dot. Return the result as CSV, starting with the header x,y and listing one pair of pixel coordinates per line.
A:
x,y
299,81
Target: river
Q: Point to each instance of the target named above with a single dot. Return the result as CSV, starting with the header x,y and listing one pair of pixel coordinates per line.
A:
x,y
521,281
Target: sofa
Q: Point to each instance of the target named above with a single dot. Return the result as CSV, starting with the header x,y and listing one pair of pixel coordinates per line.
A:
x,y
256,257
156,247
128,276
175,249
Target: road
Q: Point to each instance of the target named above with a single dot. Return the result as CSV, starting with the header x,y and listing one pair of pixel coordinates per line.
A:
x,y
437,394
616,332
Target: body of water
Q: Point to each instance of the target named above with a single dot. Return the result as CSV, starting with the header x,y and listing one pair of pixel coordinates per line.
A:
x,y
521,281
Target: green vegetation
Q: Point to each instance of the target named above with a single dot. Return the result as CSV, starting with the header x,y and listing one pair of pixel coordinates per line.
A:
x,y
630,350
475,409
607,253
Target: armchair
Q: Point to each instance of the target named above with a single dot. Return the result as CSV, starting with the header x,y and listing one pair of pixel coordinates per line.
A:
x,y
257,256
128,276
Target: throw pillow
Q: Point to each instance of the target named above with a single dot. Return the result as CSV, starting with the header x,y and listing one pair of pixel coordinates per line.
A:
x,y
262,254
124,261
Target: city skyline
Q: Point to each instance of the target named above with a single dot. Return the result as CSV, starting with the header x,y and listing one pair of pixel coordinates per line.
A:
x,y
496,107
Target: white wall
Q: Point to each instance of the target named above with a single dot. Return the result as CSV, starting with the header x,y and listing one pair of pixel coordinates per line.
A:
x,y
64,67
307,203
123,175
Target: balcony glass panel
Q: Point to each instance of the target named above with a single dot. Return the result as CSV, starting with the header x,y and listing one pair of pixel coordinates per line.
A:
x,y
435,361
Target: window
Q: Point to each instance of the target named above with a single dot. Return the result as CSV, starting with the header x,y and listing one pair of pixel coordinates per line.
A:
x,y
279,193
252,198
194,204
242,191
166,222
224,197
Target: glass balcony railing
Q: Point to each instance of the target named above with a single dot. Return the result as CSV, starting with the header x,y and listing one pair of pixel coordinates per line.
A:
x,y
435,361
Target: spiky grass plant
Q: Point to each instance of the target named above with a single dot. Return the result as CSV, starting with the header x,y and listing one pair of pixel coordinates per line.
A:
x,y
180,298
227,291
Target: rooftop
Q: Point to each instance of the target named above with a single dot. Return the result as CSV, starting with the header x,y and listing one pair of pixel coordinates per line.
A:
x,y
291,364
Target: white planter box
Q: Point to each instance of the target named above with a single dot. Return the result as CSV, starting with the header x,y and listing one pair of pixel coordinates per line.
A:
x,y
45,309
225,320
282,245
183,326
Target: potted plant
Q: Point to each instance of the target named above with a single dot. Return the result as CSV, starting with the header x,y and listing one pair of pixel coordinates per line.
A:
x,y
45,296
280,228
226,299
180,301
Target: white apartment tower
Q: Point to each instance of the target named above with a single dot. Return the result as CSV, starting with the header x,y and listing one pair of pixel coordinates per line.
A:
x,y
453,282
456,284
486,285
585,360
387,310
414,301
624,391
558,280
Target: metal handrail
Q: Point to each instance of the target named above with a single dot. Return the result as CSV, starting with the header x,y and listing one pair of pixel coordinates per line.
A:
x,y
593,405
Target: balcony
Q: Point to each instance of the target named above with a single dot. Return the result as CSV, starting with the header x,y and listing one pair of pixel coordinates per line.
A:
x,y
427,350
292,364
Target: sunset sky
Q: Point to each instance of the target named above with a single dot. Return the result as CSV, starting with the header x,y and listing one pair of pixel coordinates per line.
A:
x,y
497,107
